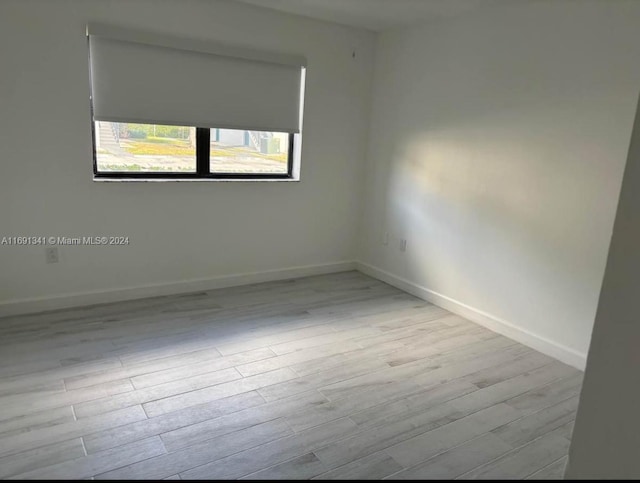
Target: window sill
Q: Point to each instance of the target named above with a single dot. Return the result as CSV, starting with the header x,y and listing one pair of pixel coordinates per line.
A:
x,y
195,180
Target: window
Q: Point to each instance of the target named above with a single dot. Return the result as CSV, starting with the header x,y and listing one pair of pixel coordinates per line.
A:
x,y
132,150
166,108
250,152
143,148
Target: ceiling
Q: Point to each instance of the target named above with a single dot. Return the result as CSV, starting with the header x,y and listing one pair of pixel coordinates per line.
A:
x,y
376,15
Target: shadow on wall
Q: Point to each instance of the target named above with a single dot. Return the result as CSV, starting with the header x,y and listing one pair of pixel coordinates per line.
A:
x,y
487,204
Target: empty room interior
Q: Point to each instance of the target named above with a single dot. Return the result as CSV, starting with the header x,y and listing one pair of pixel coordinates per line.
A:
x,y
319,239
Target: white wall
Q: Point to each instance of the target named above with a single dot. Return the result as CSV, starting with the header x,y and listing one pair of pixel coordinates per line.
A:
x,y
497,147
606,437
178,231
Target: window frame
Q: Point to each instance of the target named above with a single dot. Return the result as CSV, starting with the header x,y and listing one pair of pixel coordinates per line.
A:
x,y
202,159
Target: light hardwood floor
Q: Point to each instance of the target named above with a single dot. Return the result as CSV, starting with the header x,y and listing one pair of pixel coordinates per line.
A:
x,y
337,376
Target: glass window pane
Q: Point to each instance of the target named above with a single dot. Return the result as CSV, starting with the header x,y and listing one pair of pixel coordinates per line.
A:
x,y
129,147
249,152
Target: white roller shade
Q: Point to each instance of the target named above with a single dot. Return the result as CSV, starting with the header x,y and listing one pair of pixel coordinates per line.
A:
x,y
167,81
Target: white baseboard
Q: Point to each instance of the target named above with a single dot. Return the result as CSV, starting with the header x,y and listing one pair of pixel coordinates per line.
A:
x,y
553,349
41,304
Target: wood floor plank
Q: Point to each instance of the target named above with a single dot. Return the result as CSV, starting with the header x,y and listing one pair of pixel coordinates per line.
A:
x,y
373,440
408,334
330,410
314,381
523,461
256,356
41,457
19,387
470,359
273,453
184,345
549,394
385,349
512,388
168,404
432,348
389,319
554,471
301,468
21,404
334,337
33,421
154,393
210,428
275,340
200,454
23,359
537,424
87,466
12,369
295,360
72,370
164,424
411,405
517,366
371,303
372,467
414,451
565,431
430,371
456,461
175,366
24,441
399,319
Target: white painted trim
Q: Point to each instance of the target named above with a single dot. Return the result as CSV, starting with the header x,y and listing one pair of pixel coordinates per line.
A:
x,y
41,304
553,349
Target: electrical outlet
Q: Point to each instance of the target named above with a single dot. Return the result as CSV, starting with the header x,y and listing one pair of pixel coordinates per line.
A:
x,y
385,238
51,254
403,245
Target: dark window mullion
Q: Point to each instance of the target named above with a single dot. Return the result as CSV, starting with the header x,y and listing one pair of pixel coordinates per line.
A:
x,y
203,140
290,155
